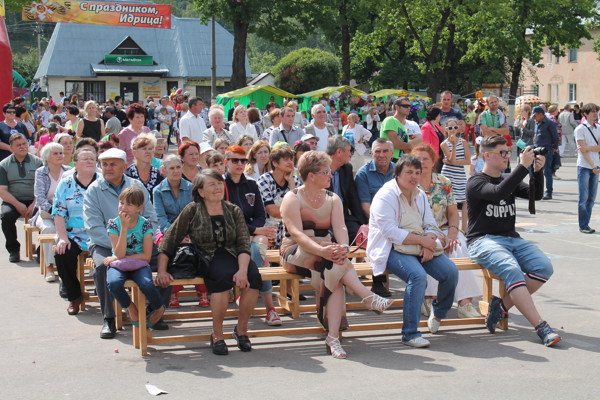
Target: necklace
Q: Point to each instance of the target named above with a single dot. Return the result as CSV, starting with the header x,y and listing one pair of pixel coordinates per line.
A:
x,y
314,200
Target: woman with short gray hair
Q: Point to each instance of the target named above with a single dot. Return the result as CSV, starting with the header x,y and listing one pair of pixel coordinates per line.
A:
x,y
217,130
170,198
46,181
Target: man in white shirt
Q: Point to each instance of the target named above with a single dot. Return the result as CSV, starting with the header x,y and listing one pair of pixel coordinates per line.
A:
x,y
587,136
319,127
192,125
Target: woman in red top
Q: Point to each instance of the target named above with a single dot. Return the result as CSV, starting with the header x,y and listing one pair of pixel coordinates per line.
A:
x,y
433,134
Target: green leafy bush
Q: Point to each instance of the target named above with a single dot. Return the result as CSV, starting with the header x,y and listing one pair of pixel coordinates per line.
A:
x,y
307,69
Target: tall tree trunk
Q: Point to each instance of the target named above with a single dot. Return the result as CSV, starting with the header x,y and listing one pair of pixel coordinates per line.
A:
x,y
515,75
433,85
345,44
238,65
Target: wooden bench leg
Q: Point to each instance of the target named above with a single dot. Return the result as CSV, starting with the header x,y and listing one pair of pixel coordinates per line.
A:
x,y
144,331
295,306
81,262
484,304
28,241
141,310
42,261
118,315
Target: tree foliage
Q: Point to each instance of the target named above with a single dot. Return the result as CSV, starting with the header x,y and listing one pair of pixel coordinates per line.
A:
x,y
307,69
280,21
460,44
515,30
26,63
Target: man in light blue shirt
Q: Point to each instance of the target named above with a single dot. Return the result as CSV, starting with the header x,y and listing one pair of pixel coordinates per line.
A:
x,y
369,179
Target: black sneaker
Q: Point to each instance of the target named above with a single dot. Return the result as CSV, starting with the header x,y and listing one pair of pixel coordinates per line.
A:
x,y
547,334
14,257
380,289
547,197
160,325
495,314
587,230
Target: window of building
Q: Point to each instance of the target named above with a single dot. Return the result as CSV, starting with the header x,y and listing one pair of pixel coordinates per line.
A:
x,y
87,90
572,55
549,57
128,47
171,85
555,94
556,59
572,92
536,90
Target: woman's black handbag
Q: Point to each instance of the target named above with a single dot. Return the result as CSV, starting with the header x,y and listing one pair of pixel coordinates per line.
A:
x,y
188,263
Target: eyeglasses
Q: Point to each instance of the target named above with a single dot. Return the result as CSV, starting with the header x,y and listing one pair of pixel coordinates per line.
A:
x,y
502,153
326,172
406,105
238,160
10,112
452,128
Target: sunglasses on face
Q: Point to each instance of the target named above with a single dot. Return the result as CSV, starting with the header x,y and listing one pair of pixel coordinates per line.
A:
x,y
238,160
502,153
10,112
452,128
406,105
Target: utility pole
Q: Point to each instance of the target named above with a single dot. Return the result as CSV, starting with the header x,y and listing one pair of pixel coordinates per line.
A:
x,y
213,75
38,31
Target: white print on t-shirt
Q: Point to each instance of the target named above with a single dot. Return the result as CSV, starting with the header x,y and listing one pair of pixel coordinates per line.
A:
x,y
500,211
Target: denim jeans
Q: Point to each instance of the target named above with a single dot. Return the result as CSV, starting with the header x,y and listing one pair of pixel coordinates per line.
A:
x,y
414,273
143,278
267,286
549,171
588,186
509,258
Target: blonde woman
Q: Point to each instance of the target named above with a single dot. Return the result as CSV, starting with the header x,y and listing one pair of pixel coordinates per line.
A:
x,y
90,125
358,136
241,125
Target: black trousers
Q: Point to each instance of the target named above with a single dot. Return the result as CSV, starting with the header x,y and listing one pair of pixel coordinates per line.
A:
x,y
67,270
9,216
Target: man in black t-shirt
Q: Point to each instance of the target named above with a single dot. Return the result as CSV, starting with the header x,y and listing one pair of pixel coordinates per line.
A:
x,y
493,241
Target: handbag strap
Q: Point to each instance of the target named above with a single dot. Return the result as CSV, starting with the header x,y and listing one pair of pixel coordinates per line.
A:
x,y
592,133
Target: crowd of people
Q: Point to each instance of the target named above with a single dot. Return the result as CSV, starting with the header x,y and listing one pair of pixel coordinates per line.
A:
x,y
104,181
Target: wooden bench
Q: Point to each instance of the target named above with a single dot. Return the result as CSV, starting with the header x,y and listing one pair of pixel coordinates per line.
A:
x,y
29,246
44,238
143,337
273,255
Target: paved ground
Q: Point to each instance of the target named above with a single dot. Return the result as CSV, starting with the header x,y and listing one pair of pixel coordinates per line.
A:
x,y
46,354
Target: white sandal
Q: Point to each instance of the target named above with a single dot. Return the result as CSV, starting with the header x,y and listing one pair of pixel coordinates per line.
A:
x,y
378,304
334,347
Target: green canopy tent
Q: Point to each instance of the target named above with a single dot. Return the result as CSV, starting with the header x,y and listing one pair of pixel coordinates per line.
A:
x,y
385,93
18,80
261,94
305,99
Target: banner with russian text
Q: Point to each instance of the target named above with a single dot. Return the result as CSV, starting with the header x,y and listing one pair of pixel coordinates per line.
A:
x,y
141,15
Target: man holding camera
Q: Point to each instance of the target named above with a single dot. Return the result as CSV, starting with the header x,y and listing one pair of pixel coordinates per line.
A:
x,y
492,238
546,136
